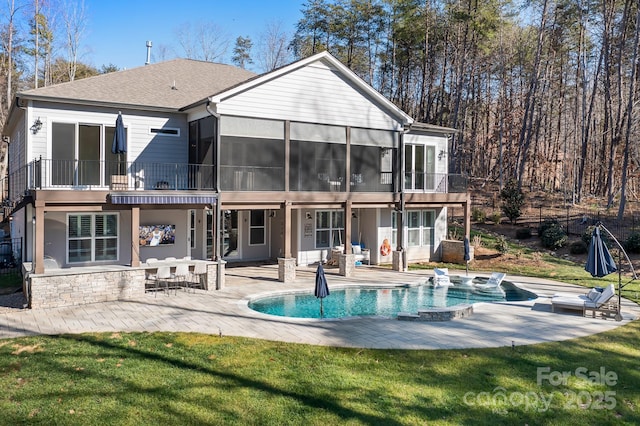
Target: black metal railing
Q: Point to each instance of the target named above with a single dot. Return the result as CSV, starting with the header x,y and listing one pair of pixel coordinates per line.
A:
x,y
126,176
435,182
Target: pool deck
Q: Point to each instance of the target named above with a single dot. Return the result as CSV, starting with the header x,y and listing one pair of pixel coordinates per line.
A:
x,y
225,312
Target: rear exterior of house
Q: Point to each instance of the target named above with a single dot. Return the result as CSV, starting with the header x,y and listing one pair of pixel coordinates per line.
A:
x,y
287,165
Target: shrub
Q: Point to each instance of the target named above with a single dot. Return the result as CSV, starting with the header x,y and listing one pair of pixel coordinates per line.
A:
x,y
512,200
523,233
477,241
501,244
553,237
549,223
632,243
495,218
478,215
578,247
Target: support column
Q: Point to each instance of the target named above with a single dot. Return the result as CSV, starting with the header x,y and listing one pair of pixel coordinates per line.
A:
x,y
135,236
467,217
287,264
38,256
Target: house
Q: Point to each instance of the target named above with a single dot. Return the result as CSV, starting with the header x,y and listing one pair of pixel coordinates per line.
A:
x,y
287,165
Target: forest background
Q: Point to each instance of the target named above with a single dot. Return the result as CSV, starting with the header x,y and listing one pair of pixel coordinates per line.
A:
x,y
543,91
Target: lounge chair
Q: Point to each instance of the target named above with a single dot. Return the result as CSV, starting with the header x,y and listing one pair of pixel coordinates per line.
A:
x,y
492,285
595,301
441,277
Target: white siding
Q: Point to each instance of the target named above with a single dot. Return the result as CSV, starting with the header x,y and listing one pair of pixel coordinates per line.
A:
x,y
313,94
142,145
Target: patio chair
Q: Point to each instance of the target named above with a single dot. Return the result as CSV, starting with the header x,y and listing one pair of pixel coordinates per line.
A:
x,y
441,277
180,276
492,285
163,276
150,277
199,271
595,301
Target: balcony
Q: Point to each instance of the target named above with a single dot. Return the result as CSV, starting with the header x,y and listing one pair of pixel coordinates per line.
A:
x,y
435,182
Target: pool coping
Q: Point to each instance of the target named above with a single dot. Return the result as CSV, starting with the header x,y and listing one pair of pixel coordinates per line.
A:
x,y
503,324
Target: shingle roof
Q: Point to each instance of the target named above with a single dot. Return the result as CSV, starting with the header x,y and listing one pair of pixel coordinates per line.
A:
x,y
172,84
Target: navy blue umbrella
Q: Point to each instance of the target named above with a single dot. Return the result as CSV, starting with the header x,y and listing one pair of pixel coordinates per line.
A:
x,y
467,253
599,261
322,288
119,145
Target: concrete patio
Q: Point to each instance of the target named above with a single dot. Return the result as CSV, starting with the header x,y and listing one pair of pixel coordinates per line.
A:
x,y
225,312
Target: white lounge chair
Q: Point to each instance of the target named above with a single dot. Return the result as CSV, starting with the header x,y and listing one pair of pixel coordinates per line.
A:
x,y
595,301
441,277
492,285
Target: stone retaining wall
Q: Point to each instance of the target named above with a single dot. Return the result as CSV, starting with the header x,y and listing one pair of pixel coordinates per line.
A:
x,y
438,314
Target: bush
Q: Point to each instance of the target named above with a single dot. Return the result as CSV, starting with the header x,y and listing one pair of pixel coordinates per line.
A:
x,y
632,243
495,218
553,237
548,223
578,247
523,233
478,215
512,200
501,244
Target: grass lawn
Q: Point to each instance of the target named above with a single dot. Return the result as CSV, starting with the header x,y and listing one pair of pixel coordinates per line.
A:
x,y
181,378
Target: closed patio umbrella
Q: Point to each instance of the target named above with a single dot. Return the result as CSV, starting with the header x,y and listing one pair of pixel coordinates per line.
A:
x,y
599,260
467,253
119,145
322,288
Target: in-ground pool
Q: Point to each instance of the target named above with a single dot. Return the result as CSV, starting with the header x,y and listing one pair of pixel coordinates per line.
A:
x,y
379,301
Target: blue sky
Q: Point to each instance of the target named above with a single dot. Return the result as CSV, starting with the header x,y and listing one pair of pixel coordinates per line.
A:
x,y
116,30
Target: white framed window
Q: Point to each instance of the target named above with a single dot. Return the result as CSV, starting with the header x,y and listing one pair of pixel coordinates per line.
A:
x,y
329,228
257,228
192,228
419,227
165,131
92,237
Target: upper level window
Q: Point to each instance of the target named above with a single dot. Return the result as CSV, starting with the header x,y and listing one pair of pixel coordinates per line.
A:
x,y
165,131
419,162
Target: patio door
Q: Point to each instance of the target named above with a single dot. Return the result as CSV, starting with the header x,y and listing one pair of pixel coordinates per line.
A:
x,y
231,235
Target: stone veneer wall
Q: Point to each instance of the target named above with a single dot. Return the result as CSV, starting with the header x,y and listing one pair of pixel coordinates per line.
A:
x,y
453,251
80,288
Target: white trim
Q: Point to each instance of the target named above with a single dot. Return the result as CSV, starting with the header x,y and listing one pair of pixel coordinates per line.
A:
x,y
92,237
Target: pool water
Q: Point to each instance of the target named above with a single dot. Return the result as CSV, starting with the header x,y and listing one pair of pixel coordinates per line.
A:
x,y
385,302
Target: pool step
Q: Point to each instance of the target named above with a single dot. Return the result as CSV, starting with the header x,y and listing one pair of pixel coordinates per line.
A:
x,y
438,314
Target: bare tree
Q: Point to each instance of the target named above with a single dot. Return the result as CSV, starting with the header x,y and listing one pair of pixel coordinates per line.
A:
x,y
75,19
161,52
205,42
273,46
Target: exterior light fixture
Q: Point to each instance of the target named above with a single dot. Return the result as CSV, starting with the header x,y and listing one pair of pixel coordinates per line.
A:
x,y
37,125
442,154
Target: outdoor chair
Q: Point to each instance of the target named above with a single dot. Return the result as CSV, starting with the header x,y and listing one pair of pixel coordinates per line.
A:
x,y
163,277
595,301
441,277
199,271
492,285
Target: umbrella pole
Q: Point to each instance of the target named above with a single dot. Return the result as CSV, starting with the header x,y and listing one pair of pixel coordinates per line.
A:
x,y
321,310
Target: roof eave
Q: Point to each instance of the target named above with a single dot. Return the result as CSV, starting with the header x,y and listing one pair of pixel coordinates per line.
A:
x,y
88,102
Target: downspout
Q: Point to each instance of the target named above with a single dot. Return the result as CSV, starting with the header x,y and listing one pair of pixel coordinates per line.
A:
x,y
402,198
218,241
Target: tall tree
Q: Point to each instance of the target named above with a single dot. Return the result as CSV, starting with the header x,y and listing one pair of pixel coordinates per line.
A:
x,y
205,41
273,49
242,52
75,22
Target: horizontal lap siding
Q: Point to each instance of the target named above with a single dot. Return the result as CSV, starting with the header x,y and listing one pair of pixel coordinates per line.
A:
x,y
314,94
142,145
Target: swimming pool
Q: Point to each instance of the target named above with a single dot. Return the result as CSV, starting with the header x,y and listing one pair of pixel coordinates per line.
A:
x,y
381,301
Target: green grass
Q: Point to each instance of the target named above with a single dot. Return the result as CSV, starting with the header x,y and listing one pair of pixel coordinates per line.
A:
x,y
178,378
181,378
